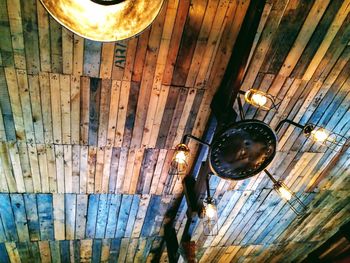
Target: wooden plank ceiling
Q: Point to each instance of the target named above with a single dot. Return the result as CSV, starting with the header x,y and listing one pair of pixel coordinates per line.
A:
x,y
87,131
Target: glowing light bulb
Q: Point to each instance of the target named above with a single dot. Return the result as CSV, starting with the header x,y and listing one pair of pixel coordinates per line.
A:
x,y
259,99
210,211
319,135
180,157
285,193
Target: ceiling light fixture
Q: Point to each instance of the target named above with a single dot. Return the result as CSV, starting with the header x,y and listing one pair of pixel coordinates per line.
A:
x,y
331,140
104,20
209,213
259,99
245,148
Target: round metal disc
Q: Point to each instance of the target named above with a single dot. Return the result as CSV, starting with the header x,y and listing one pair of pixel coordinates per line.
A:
x,y
243,150
100,20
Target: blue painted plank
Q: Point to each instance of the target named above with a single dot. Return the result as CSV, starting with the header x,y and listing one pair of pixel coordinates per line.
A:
x,y
55,252
7,217
96,250
4,258
132,215
102,216
64,251
123,215
45,213
113,212
151,214
114,250
92,215
20,216
92,55
32,216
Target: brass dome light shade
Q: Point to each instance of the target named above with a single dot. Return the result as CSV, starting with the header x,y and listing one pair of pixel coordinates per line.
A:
x,y
104,20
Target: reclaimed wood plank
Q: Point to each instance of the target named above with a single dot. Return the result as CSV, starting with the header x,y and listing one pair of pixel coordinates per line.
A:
x,y
65,104
67,51
18,208
70,205
56,46
32,216
45,213
92,58
81,212
44,35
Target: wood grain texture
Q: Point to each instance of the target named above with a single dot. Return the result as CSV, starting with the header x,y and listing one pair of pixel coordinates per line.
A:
x,y
87,131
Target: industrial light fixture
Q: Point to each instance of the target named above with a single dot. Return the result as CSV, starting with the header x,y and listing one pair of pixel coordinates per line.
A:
x,y
290,197
332,140
259,99
209,214
179,163
244,148
104,20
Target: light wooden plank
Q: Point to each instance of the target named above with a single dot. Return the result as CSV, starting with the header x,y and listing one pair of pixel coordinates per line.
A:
x,y
14,15
44,34
58,216
56,107
75,109
65,100
67,160
67,51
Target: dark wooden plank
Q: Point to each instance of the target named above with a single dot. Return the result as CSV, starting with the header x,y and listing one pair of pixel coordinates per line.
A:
x,y
94,111
3,254
55,251
131,113
45,213
188,42
181,99
92,215
167,116
7,217
140,56
64,250
285,35
6,109
176,36
34,251
194,111
31,36
23,252
114,250
96,250
5,43
316,38
56,46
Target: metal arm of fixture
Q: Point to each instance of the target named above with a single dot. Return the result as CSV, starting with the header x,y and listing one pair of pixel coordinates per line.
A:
x,y
189,136
280,124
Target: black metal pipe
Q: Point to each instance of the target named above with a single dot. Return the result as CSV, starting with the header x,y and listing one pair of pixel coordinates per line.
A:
x,y
279,125
271,177
187,136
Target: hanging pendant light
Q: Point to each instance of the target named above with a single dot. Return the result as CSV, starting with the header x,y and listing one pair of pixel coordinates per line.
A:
x,y
104,20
